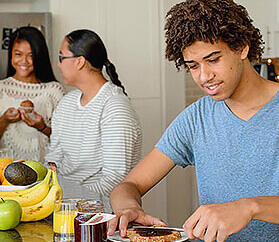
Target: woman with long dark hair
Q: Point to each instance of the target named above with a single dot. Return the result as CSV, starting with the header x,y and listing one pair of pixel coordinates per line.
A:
x,y
96,137
30,84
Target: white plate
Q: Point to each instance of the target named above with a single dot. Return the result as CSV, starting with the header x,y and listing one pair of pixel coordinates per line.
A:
x,y
15,188
116,237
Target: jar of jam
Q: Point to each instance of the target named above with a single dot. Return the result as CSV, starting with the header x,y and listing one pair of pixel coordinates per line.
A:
x,y
89,233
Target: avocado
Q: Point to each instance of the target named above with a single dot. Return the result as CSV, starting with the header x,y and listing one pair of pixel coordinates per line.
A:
x,y
18,173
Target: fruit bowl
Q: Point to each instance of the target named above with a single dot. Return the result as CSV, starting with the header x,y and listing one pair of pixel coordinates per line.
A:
x,y
15,188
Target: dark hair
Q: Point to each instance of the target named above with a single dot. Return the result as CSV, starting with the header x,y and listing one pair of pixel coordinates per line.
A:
x,y
41,61
210,21
88,44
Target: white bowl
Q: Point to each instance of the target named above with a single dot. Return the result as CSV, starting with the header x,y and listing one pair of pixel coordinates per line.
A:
x,y
15,187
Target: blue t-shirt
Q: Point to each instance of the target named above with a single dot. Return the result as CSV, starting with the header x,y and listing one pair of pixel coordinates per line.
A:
x,y
233,158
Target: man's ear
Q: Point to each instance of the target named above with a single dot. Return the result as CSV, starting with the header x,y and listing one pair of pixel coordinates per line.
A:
x,y
80,62
244,52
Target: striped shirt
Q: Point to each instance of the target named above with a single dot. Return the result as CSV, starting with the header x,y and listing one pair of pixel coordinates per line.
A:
x,y
95,145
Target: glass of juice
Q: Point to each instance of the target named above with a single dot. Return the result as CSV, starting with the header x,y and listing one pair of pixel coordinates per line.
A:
x,y
6,155
65,210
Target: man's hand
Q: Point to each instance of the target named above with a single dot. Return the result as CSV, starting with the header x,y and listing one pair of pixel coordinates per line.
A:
x,y
37,123
11,115
218,221
128,215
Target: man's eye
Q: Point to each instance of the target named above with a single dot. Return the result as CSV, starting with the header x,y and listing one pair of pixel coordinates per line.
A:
x,y
192,66
214,60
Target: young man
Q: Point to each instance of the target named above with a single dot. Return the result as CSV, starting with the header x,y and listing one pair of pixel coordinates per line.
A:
x,y
231,135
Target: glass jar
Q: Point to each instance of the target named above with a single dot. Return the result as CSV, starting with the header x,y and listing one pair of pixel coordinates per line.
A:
x,y
89,233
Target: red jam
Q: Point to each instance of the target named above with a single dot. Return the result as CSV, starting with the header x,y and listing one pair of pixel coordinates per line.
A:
x,y
152,232
89,233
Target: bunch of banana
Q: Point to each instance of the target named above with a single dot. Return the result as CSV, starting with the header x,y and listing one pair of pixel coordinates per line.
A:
x,y
46,206
30,196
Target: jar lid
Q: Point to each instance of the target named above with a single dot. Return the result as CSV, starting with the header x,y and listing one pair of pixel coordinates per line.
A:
x,y
90,206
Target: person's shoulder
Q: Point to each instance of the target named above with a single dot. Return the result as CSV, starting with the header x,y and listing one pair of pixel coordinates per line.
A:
x,y
203,103
66,102
55,86
118,104
71,94
4,79
197,110
118,99
114,95
4,82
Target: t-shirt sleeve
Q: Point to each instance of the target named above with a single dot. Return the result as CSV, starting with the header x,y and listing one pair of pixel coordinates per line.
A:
x,y
177,140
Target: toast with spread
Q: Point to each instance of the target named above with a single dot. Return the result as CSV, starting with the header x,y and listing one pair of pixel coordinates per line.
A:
x,y
150,234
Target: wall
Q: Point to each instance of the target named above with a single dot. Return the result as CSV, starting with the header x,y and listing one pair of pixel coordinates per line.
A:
x,y
181,185
24,6
129,29
133,33
265,15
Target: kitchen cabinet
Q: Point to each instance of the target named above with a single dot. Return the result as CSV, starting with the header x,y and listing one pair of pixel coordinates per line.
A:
x,y
266,17
133,32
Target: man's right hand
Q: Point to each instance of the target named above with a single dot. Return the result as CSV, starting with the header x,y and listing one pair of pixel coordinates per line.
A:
x,y
11,115
131,215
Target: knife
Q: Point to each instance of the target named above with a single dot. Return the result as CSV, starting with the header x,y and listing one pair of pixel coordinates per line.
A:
x,y
144,227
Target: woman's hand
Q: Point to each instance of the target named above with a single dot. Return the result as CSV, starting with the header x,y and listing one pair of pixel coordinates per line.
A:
x,y
11,115
37,123
128,215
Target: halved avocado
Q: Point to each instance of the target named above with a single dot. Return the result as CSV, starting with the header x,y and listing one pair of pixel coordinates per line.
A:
x,y
18,173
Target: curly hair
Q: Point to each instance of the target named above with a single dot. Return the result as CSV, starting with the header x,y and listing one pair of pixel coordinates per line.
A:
x,y
210,21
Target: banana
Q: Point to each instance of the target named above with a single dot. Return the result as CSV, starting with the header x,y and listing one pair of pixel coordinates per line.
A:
x,y
45,207
29,196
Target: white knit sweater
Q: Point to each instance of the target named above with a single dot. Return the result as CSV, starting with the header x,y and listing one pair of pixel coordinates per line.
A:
x,y
27,142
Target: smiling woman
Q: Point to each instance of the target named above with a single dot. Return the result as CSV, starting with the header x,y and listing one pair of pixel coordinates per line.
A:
x,y
29,77
22,61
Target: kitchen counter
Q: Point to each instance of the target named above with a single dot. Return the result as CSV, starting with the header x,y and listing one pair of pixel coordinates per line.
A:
x,y
29,232
40,231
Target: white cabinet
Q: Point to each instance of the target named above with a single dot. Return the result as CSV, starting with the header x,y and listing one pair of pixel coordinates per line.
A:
x,y
265,14
133,33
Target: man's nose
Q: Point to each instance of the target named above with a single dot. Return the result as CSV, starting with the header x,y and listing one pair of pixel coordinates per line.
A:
x,y
206,74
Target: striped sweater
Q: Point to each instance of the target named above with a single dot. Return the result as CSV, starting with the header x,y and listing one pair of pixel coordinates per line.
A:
x,y
95,145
